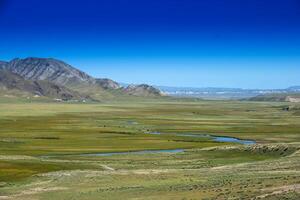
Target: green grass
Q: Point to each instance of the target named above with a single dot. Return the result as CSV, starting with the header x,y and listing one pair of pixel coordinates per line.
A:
x,y
12,171
41,143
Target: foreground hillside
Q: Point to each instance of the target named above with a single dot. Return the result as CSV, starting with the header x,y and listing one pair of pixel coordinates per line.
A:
x,y
49,151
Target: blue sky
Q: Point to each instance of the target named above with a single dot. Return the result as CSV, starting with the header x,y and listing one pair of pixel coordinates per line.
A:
x,y
216,43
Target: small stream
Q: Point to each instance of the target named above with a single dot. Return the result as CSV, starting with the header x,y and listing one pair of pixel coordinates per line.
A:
x,y
212,137
233,140
216,138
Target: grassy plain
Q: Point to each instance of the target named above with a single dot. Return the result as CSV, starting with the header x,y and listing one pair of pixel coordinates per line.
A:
x,y
41,147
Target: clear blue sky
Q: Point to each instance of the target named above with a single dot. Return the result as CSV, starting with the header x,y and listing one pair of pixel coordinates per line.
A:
x,y
200,43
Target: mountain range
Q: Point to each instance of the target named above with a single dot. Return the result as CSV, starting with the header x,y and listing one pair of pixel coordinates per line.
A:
x,y
55,79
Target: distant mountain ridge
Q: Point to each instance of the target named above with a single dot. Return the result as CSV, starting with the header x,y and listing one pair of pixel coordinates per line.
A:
x,y
294,88
56,79
223,93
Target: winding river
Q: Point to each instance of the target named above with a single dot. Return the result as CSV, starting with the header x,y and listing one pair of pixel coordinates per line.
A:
x,y
217,138
212,137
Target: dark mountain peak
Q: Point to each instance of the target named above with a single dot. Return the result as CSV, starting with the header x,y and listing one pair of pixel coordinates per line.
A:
x,y
142,90
48,69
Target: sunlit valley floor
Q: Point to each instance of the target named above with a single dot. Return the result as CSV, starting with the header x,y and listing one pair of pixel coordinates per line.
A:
x,y
49,150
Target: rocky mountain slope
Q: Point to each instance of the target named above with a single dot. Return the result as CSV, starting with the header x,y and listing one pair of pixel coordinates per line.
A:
x,y
12,83
48,69
56,79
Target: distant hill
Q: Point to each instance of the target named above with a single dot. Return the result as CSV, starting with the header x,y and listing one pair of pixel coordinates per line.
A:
x,y
288,97
53,78
142,90
108,83
290,94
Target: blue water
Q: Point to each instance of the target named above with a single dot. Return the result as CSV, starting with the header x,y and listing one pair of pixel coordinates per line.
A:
x,y
231,139
136,152
214,138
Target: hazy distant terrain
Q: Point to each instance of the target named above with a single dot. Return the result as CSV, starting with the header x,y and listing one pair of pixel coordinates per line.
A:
x,y
224,93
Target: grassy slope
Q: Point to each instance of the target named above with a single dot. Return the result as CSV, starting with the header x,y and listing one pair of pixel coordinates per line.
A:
x,y
29,130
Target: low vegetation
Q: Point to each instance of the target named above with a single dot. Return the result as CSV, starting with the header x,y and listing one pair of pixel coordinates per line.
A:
x,y
44,145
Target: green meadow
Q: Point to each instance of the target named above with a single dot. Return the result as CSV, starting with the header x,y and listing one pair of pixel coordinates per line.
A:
x,y
45,147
